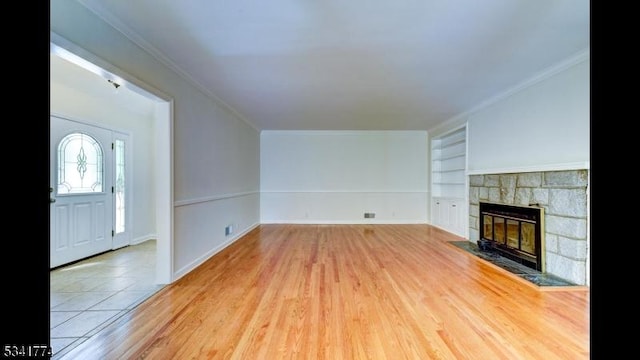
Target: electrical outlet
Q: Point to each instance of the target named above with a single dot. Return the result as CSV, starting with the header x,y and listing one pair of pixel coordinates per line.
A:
x,y
369,215
228,230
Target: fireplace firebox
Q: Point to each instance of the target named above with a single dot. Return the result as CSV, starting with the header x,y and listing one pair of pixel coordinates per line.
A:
x,y
516,232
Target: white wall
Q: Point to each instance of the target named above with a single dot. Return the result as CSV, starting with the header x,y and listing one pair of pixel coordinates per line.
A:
x,y
336,176
543,127
216,154
82,106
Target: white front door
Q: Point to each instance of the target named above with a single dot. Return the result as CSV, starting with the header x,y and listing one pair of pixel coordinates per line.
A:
x,y
81,191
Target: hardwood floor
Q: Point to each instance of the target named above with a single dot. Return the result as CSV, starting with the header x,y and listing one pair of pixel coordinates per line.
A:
x,y
348,292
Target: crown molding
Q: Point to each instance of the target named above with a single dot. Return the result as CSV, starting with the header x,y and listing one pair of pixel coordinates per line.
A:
x,y
101,12
456,120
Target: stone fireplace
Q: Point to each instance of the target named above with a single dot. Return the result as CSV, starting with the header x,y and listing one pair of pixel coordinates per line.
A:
x,y
561,197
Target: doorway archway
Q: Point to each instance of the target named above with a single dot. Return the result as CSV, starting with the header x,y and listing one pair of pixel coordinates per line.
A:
x,y
163,149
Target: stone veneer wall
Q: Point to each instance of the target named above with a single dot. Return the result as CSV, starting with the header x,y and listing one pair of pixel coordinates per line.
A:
x,y
562,194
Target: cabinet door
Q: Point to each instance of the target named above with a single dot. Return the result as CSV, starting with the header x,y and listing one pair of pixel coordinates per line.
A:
x,y
453,215
456,217
448,214
436,208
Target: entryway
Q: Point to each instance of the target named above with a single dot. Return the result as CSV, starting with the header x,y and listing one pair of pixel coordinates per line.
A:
x,y
157,156
94,194
90,190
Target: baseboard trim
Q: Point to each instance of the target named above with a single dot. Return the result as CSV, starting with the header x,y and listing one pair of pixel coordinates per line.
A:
x,y
199,261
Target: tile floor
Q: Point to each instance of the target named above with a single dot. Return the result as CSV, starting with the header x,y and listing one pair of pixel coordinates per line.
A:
x,y
89,295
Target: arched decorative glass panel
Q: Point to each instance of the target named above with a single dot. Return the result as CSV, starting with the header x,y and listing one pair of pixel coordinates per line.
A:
x,y
80,165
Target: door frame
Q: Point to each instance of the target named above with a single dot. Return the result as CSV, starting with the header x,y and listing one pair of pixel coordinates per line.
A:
x,y
164,169
94,245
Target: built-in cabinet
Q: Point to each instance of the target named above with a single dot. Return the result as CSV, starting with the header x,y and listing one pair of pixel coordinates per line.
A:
x,y
449,181
447,213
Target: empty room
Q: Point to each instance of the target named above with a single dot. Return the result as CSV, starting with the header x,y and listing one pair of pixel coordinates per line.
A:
x,y
320,180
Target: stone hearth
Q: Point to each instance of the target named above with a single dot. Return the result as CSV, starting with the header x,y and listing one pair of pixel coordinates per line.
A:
x,y
522,271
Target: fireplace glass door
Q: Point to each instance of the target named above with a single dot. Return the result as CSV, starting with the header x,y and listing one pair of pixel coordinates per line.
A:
x,y
514,230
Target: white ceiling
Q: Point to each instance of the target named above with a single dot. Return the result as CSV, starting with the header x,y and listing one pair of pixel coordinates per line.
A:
x,y
67,74
357,64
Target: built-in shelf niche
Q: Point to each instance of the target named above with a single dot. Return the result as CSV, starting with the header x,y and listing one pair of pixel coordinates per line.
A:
x,y
448,164
448,181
